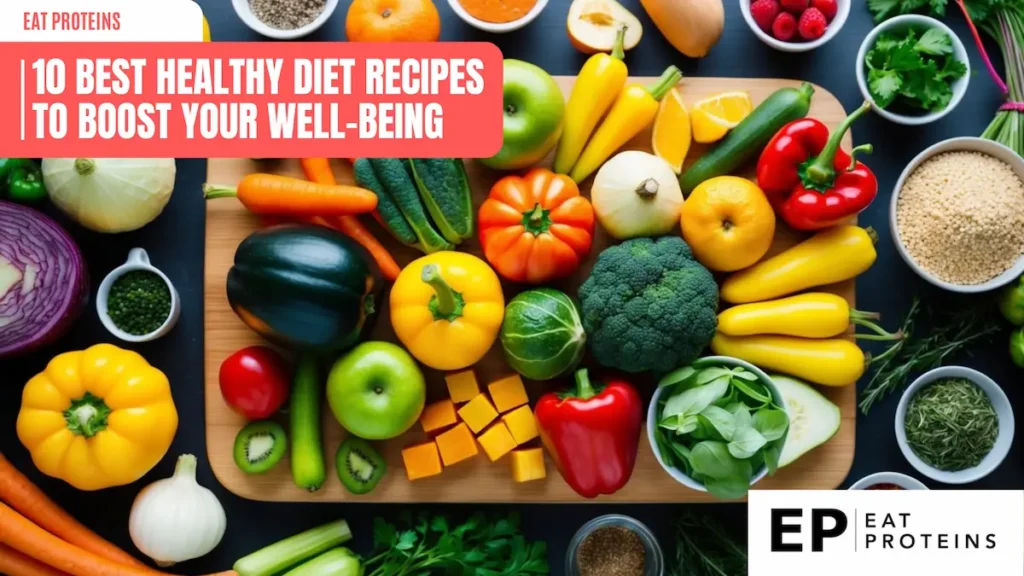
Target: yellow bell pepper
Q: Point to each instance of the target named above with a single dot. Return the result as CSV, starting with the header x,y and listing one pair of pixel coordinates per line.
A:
x,y
598,84
446,309
833,362
633,111
98,417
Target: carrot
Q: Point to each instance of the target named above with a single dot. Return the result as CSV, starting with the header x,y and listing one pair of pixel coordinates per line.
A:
x,y
282,195
14,563
21,494
319,170
21,534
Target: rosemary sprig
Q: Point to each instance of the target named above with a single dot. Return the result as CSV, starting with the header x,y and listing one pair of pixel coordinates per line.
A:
x,y
948,335
951,424
705,548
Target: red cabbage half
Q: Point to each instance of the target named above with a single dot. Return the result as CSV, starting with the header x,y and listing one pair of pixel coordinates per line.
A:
x,y
44,284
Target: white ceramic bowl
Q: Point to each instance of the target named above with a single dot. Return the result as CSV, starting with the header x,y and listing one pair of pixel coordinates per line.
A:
x,y
921,23
493,27
652,417
655,560
971,144
901,480
834,27
245,13
999,402
138,259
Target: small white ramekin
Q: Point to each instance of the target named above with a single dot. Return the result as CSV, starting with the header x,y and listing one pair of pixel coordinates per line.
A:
x,y
831,32
922,23
245,14
999,402
901,480
493,27
138,259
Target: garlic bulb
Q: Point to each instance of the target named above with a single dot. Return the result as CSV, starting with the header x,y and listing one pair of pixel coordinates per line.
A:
x,y
176,519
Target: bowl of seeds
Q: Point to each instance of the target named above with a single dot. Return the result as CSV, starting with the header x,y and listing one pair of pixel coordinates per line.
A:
x,y
137,302
957,215
284,19
614,545
954,425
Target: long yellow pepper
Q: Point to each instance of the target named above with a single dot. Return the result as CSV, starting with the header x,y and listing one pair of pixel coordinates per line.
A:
x,y
633,111
598,84
830,362
808,315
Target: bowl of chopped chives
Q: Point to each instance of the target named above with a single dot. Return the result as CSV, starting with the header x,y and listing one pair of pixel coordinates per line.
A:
x,y
137,302
954,425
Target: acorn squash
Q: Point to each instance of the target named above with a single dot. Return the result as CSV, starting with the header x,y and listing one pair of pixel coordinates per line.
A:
x,y
305,288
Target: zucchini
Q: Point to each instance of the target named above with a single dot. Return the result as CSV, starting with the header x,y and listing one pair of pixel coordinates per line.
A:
x,y
307,458
444,189
390,215
751,135
396,176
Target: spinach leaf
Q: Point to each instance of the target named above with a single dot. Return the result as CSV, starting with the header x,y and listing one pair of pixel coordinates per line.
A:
x,y
695,400
746,443
771,423
679,379
771,457
728,488
713,460
741,415
753,390
720,421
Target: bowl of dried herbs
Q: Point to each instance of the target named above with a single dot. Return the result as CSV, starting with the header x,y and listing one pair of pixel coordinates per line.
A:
x,y
954,425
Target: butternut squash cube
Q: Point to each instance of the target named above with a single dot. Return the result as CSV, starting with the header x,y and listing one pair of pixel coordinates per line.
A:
x,y
438,416
421,461
497,441
478,413
462,386
456,445
522,424
528,464
508,393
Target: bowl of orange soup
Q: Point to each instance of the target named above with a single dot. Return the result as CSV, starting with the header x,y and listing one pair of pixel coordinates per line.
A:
x,y
499,17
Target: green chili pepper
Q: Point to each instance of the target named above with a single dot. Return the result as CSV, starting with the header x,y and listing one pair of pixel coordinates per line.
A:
x,y
25,184
1011,303
7,165
1017,347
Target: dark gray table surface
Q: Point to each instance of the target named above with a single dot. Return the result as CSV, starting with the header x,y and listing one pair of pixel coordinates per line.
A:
x,y
175,244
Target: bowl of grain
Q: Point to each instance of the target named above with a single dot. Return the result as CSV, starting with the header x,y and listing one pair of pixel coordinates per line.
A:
x,y
957,215
284,19
614,544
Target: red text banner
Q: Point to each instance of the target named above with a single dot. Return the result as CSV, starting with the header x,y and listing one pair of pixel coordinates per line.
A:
x,y
255,100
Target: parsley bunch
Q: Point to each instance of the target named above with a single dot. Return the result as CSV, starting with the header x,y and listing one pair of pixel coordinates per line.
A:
x,y
427,546
912,70
979,10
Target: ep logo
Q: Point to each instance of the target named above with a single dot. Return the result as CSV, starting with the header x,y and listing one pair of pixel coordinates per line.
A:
x,y
787,528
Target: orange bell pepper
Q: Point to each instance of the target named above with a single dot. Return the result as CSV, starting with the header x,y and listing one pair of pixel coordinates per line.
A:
x,y
536,228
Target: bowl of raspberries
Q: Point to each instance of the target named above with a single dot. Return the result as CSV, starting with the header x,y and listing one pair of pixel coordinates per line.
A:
x,y
795,25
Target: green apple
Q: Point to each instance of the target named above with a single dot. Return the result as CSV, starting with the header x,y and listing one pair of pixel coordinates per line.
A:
x,y
376,391
534,107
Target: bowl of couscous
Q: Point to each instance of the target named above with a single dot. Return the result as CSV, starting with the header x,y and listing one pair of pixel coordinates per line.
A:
x,y
957,215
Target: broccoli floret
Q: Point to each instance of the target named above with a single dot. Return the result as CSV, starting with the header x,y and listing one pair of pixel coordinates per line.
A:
x,y
648,305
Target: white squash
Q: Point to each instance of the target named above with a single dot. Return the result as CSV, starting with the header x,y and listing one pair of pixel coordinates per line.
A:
x,y
636,194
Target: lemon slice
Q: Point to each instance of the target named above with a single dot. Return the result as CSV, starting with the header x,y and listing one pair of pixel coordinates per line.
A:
x,y
671,136
712,118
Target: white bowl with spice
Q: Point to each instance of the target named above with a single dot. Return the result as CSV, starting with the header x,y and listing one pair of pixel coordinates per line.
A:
x,y
920,24
954,425
614,544
285,19
136,301
888,481
957,215
497,27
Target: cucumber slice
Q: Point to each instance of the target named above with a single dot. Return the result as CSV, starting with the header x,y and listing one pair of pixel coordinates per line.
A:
x,y
813,419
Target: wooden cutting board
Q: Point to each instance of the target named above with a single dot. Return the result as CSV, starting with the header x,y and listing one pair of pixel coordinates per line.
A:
x,y
476,480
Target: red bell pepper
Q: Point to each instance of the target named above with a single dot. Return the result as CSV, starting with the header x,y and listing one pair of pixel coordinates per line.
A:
x,y
810,182
592,434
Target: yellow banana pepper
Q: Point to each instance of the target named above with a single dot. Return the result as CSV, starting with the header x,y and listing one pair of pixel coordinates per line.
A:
x,y
598,84
830,256
834,362
633,111
98,417
446,309
810,315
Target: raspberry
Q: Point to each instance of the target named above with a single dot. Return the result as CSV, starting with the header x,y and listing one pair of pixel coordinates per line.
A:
x,y
812,24
764,13
795,6
827,7
784,28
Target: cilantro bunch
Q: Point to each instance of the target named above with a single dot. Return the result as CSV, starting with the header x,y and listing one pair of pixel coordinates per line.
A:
x,y
913,71
427,545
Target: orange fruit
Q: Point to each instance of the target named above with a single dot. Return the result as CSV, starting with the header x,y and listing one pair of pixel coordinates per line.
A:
x,y
392,21
728,223
713,117
671,136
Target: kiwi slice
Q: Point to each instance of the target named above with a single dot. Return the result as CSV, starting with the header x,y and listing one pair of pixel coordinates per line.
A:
x,y
259,446
360,467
